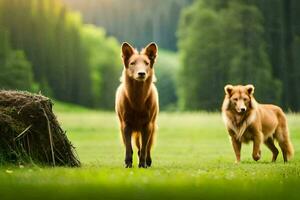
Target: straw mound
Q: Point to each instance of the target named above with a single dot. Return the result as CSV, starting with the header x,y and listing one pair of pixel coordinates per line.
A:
x,y
30,132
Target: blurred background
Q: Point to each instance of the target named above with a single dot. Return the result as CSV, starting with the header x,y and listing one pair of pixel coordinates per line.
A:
x,y
70,49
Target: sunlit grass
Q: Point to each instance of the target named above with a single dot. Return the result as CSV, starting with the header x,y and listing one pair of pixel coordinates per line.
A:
x,y
192,158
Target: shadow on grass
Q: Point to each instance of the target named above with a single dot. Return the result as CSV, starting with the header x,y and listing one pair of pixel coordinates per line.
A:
x,y
202,189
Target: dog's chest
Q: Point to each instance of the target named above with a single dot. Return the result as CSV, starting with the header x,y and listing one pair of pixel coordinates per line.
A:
x,y
240,126
137,119
247,136
243,132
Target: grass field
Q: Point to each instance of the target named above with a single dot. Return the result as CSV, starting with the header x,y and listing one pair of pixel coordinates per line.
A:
x,y
192,159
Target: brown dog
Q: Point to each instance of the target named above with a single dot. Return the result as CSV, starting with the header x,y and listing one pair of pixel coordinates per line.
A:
x,y
137,102
247,120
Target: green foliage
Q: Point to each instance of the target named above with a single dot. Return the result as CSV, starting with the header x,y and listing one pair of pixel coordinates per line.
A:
x,y
249,62
219,46
166,70
105,63
71,62
16,72
220,42
282,30
135,21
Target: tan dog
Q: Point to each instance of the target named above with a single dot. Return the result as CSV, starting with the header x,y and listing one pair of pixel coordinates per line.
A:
x,y
246,120
137,102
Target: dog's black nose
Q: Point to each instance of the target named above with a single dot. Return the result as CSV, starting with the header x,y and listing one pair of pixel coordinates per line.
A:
x,y
243,109
141,74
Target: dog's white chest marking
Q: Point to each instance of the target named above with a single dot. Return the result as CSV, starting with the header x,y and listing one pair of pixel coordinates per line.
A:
x,y
239,130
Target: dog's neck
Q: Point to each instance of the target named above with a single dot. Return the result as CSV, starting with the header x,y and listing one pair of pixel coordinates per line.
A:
x,y
137,91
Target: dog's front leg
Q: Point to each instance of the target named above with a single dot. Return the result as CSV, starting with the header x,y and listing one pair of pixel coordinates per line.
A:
x,y
237,145
127,132
237,149
257,141
145,140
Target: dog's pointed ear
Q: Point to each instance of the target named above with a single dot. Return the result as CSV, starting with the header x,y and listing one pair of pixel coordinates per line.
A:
x,y
228,89
127,52
250,89
151,51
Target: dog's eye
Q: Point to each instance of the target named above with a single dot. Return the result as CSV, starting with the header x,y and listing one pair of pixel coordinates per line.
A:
x,y
235,99
245,99
132,63
146,63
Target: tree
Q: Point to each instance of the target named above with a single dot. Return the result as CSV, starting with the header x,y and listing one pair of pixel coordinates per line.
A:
x,y
105,62
282,30
52,39
140,23
166,70
16,72
220,45
250,62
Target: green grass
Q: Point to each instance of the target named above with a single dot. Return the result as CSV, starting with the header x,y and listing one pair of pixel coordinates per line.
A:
x,y
192,159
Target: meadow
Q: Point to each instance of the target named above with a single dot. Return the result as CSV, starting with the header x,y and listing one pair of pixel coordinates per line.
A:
x,y
192,159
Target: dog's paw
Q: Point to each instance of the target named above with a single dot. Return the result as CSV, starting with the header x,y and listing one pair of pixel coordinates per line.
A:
x,y
274,158
128,164
148,162
256,157
142,165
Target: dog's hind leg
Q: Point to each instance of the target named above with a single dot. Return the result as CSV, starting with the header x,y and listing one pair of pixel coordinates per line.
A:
x,y
270,144
283,138
282,135
137,141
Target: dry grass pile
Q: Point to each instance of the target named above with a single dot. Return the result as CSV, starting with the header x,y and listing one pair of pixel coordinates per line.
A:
x,y
30,132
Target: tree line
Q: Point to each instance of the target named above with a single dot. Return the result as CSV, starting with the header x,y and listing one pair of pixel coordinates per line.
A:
x,y
46,47
239,42
136,21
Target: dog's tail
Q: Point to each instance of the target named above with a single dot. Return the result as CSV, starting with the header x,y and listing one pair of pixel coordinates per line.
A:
x,y
290,150
283,137
287,148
